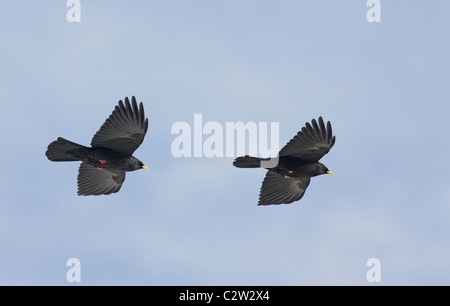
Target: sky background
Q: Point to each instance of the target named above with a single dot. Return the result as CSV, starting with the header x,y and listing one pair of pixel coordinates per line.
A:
x,y
195,221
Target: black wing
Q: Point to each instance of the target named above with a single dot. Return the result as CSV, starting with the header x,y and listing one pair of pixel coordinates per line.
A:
x,y
311,143
124,130
277,189
94,181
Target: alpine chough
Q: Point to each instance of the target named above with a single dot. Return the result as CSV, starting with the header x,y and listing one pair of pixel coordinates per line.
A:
x,y
103,166
298,162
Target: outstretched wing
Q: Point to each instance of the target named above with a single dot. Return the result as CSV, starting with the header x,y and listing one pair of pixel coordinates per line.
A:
x,y
94,181
124,130
277,189
311,143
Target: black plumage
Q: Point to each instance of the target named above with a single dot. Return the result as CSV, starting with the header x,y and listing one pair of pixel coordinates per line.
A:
x,y
287,181
104,164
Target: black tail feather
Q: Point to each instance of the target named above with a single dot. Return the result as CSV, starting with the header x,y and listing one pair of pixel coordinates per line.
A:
x,y
64,150
248,162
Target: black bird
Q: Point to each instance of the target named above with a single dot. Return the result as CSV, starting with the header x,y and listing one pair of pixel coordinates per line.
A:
x,y
103,166
287,181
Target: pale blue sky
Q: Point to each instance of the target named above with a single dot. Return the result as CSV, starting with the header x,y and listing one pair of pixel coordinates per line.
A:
x,y
194,221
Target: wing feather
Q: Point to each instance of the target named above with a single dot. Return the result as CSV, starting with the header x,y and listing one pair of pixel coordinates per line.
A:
x,y
94,181
311,143
277,189
124,130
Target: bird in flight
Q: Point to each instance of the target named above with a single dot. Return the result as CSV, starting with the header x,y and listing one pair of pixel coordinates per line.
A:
x,y
103,165
298,161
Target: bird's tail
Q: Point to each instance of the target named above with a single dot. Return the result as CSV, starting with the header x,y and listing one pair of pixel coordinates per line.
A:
x,y
64,150
249,162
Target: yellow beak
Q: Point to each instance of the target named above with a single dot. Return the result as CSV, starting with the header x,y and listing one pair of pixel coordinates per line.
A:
x,y
329,172
145,167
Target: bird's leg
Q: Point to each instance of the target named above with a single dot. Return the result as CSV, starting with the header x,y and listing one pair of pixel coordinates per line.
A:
x,y
102,161
289,172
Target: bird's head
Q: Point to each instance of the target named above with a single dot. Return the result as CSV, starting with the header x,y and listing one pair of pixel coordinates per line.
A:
x,y
322,169
136,164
